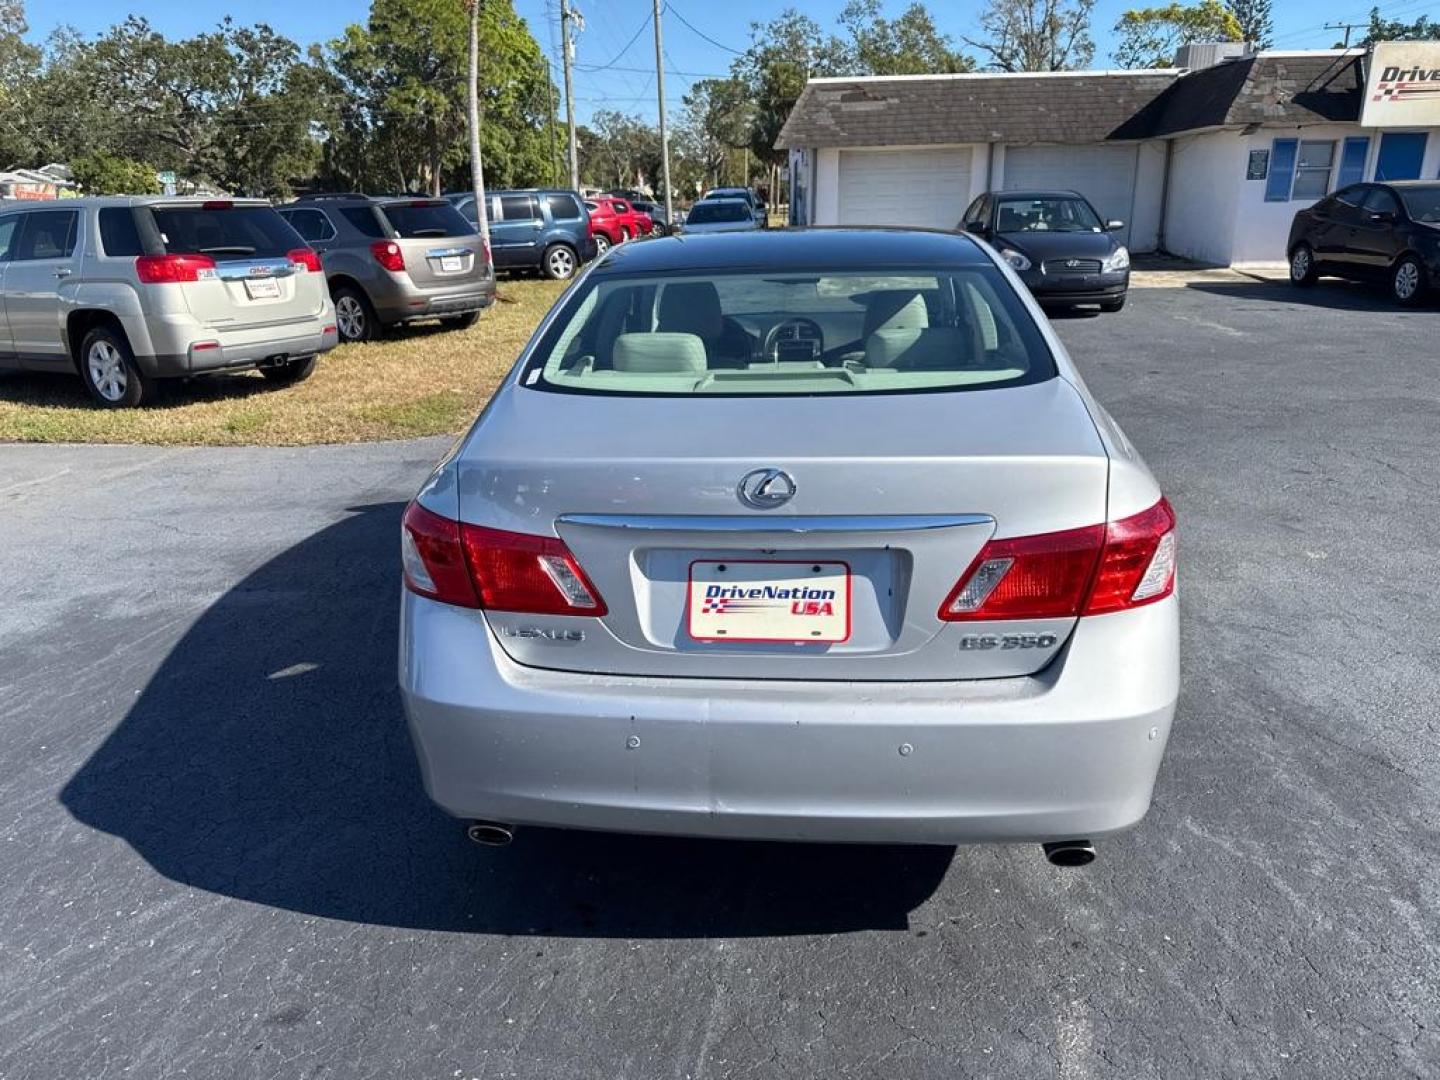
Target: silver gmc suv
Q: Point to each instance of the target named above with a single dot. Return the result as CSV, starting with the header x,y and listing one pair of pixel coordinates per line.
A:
x,y
392,260
128,290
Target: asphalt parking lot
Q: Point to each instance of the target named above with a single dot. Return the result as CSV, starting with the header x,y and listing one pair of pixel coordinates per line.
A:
x,y
216,859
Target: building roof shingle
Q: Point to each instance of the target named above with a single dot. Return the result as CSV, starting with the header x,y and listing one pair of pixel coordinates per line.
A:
x,y
975,108
1267,89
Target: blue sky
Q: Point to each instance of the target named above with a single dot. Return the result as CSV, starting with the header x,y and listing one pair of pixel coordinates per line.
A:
x,y
627,81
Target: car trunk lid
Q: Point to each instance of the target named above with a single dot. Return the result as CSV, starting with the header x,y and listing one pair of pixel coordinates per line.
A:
x,y
894,497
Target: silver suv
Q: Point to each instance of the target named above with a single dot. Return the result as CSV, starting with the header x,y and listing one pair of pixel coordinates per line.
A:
x,y
395,260
125,291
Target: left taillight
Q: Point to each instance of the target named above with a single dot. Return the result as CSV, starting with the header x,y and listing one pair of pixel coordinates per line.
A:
x,y
433,557
1088,571
306,257
475,566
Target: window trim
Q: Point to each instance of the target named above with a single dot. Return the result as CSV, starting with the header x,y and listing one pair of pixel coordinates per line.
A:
x,y
1305,170
294,211
1347,166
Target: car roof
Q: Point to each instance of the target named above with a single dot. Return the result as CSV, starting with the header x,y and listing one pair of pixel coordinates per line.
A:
x,y
1409,183
727,201
1050,193
830,248
87,201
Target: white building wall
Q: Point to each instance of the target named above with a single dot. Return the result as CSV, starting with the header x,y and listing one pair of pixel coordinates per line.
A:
x,y
1263,228
1206,172
1149,183
826,198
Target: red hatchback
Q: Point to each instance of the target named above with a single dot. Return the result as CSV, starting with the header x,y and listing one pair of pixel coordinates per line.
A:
x,y
613,221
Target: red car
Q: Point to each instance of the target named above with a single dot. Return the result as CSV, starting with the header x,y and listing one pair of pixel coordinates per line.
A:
x,y
613,221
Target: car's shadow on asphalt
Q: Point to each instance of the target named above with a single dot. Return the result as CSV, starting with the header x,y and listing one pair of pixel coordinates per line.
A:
x,y
268,760
63,390
1332,294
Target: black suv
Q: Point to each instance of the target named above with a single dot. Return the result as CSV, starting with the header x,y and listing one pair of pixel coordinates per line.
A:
x,y
1372,232
537,229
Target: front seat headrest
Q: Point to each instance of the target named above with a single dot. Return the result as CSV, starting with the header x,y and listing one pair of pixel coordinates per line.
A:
x,y
898,309
691,307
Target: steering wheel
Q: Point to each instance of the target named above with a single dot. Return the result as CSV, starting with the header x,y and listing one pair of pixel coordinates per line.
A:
x,y
797,328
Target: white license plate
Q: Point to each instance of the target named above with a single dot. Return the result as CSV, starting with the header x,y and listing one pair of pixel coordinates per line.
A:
x,y
769,601
452,264
265,288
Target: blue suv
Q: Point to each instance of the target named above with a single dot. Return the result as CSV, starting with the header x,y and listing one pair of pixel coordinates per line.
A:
x,y
538,229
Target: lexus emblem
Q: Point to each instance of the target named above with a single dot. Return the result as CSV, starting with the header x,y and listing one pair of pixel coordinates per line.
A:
x,y
765,489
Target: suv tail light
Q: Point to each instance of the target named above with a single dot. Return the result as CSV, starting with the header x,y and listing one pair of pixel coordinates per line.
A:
x,y
307,258
172,269
472,566
1088,571
388,254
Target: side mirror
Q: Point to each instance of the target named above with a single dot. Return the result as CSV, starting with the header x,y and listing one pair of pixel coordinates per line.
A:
x,y
1114,225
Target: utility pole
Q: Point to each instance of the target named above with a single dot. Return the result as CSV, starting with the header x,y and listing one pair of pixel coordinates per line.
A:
x,y
1347,27
664,136
477,168
567,47
550,123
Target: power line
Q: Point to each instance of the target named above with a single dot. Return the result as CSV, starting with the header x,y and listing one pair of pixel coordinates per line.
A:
x,y
700,33
616,58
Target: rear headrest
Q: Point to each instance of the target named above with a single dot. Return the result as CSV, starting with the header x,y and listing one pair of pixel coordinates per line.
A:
x,y
900,309
660,354
691,307
938,349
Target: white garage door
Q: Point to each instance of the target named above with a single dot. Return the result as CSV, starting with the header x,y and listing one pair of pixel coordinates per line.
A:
x,y
1103,174
929,188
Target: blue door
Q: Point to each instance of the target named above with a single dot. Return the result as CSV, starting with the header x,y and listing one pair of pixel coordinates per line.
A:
x,y
1401,155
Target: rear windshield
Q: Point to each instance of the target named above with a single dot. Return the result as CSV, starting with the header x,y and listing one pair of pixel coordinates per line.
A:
x,y
426,219
703,212
237,231
759,333
1422,203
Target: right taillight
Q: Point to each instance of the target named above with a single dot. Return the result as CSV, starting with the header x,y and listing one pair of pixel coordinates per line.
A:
x,y
388,254
173,269
1138,563
474,566
1087,571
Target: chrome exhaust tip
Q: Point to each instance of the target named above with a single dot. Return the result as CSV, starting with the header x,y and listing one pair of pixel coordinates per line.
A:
x,y
1070,852
490,833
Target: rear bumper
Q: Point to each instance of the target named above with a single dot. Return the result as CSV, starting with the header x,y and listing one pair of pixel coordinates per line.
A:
x,y
410,302
1070,752
211,352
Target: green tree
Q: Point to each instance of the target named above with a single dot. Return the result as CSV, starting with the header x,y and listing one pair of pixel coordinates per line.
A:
x,y
231,107
104,174
1036,35
1253,16
1148,37
19,67
909,45
783,55
402,77
715,120
1422,29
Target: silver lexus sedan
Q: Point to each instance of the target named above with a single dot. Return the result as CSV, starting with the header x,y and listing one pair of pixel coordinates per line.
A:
x,y
809,535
